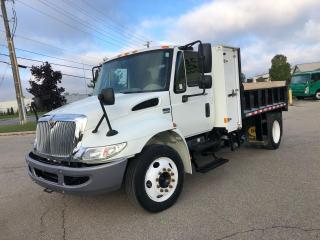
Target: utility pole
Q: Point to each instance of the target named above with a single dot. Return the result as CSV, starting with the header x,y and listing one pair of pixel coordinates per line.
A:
x,y
147,44
14,65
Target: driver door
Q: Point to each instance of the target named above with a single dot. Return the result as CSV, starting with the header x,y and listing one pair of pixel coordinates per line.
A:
x,y
193,116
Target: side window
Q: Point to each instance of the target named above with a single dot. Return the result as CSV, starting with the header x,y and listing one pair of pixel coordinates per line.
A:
x,y
180,75
192,68
315,77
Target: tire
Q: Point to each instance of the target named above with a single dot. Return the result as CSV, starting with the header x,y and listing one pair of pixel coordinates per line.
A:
x,y
154,179
300,98
274,129
317,96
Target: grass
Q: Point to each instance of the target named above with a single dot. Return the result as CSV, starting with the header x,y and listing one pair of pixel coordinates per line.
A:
x,y
29,126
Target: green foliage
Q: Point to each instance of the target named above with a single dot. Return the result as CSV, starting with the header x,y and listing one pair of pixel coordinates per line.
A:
x,y
280,69
243,77
45,88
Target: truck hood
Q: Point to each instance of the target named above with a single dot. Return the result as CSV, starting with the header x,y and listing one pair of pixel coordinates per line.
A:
x,y
90,107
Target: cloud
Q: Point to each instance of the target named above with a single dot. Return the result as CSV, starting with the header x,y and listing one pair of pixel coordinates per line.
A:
x,y
261,28
222,19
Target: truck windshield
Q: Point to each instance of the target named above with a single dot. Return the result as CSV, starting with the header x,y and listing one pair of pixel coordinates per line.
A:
x,y
143,72
300,79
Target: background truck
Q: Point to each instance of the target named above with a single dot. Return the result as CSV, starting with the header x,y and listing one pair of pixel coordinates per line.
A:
x,y
156,114
306,84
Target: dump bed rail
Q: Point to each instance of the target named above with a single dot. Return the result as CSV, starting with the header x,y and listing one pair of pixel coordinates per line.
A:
x,y
263,97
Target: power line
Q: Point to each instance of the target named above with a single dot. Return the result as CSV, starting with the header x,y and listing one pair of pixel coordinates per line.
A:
x,y
64,74
40,42
57,64
67,24
120,30
45,55
80,21
103,14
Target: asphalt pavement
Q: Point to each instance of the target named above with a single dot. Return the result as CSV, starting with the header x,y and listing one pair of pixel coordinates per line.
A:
x,y
259,194
15,121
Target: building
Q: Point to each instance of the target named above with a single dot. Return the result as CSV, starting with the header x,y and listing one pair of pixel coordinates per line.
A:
x,y
306,67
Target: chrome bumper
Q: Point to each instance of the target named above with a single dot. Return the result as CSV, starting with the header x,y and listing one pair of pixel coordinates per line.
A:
x,y
77,180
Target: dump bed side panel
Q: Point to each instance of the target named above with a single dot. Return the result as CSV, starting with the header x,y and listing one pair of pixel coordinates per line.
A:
x,y
263,97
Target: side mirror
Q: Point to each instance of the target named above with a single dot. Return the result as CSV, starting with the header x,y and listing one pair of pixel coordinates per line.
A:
x,y
206,82
95,75
205,57
107,96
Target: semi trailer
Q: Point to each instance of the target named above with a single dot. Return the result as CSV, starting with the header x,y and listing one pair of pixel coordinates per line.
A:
x,y
154,115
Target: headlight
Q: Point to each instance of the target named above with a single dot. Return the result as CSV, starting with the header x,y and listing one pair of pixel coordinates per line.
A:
x,y
100,153
306,90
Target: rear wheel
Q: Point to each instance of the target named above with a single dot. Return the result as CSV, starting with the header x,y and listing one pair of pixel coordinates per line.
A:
x,y
317,96
274,125
154,179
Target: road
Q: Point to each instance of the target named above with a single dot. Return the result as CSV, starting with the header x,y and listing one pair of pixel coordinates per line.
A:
x,y
258,194
15,121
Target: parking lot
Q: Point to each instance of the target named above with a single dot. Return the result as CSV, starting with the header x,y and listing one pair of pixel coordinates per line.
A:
x,y
258,194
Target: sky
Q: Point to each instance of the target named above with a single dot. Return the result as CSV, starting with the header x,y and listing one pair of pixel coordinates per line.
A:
x,y
83,32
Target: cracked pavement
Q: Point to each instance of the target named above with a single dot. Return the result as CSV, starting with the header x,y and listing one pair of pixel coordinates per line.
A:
x,y
259,194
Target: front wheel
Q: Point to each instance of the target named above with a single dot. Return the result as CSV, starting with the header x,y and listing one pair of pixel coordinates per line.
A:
x,y
154,179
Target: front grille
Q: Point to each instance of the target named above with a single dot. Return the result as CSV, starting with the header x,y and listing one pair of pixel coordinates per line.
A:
x,y
56,138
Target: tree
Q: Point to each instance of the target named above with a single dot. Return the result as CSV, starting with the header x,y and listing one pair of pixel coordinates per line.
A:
x,y
280,69
45,88
11,111
243,77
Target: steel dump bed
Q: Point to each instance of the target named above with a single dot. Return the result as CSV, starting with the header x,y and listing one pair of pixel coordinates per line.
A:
x,y
263,97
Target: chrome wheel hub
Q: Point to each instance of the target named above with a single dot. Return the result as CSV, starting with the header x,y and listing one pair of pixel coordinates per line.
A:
x,y
161,179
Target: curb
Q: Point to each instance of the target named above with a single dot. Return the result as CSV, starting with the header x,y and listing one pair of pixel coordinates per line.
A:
x,y
17,133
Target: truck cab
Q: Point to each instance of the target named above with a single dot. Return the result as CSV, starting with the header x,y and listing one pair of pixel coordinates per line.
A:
x,y
306,84
152,114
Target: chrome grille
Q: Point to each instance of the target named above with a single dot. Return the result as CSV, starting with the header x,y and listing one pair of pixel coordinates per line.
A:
x,y
56,139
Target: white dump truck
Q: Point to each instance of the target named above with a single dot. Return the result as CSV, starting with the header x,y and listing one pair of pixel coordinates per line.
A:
x,y
155,114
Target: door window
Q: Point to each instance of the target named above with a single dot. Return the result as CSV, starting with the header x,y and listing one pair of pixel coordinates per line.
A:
x,y
192,68
180,74
315,77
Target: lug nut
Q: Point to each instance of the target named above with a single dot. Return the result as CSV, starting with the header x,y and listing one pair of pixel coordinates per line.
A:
x,y
170,186
164,169
166,190
158,186
172,174
161,190
172,180
169,169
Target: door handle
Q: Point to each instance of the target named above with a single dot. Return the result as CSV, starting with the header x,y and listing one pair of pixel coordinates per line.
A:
x,y
233,93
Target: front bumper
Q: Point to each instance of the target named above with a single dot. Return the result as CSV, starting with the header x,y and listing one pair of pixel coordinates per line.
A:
x,y
78,180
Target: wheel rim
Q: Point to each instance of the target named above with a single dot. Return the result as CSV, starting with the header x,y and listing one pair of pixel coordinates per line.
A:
x,y
161,179
318,95
276,131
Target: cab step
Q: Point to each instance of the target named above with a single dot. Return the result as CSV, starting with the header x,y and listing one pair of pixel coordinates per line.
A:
x,y
204,168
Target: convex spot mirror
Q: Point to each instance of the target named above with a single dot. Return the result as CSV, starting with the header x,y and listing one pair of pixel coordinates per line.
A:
x,y
206,82
107,96
205,57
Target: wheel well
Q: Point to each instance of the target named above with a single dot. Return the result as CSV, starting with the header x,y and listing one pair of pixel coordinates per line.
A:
x,y
175,141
